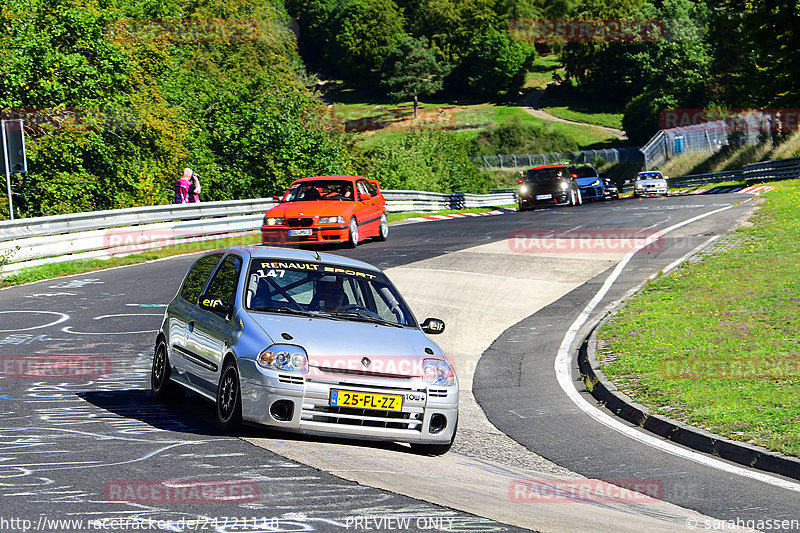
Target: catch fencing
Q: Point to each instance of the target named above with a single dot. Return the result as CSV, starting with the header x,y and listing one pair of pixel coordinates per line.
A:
x,y
584,157
708,137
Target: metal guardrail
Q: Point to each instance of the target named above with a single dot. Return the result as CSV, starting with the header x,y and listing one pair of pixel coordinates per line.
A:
x,y
695,180
33,241
780,169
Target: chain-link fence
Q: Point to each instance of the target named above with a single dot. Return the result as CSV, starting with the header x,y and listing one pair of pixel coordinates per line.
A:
x,y
749,128
585,157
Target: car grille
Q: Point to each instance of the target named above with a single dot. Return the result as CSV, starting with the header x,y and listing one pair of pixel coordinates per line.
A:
x,y
294,380
305,222
353,372
316,409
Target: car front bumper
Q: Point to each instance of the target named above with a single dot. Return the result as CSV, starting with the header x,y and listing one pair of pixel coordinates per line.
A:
x,y
304,406
319,234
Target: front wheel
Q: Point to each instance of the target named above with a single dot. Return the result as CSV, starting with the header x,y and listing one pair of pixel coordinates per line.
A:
x,y
580,197
571,198
384,228
164,389
352,240
435,449
229,398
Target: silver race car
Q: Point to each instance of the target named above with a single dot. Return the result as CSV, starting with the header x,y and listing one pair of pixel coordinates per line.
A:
x,y
307,342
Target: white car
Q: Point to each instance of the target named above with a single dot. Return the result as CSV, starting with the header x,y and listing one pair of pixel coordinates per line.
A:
x,y
650,183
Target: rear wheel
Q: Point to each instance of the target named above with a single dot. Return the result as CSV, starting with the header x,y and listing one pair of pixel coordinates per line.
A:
x,y
383,233
352,241
229,398
164,389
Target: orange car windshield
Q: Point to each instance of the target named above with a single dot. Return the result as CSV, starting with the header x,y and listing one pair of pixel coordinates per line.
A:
x,y
308,191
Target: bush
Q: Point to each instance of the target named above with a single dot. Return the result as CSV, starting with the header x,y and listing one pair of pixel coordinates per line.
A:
x,y
427,161
514,136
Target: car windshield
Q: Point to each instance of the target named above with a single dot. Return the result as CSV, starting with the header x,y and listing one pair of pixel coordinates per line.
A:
x,y
321,190
585,172
324,290
650,176
547,174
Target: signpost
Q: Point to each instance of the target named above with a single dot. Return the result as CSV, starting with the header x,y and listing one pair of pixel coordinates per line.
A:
x,y
14,158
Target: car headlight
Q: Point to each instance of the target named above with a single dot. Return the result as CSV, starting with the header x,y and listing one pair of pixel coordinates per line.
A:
x,y
564,185
437,372
273,221
638,185
331,220
523,189
284,357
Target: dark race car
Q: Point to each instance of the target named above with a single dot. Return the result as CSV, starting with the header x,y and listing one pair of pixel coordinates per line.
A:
x,y
610,189
547,185
589,182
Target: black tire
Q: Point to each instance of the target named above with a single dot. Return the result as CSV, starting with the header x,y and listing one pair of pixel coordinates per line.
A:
x,y
383,232
352,235
164,390
435,449
229,398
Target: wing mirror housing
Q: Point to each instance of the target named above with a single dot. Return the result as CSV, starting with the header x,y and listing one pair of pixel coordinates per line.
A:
x,y
432,326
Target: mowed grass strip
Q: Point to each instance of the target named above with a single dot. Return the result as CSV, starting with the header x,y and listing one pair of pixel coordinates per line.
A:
x,y
716,344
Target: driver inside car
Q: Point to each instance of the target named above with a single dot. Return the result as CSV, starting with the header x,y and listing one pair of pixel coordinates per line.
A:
x,y
328,294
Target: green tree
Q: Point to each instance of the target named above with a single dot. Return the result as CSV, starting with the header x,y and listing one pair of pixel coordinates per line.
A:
x,y
367,32
411,70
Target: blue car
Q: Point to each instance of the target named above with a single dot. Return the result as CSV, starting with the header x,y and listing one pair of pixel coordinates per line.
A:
x,y
589,183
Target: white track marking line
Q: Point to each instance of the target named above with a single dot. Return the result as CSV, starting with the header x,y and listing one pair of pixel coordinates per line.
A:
x,y
564,376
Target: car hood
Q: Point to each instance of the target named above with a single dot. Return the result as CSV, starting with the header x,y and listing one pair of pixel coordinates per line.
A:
x,y
653,181
310,209
343,344
583,182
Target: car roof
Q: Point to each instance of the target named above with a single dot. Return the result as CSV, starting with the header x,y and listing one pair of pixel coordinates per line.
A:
x,y
650,173
294,254
548,166
322,178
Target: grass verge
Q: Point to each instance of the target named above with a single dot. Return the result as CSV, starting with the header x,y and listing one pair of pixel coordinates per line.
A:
x,y
81,266
716,344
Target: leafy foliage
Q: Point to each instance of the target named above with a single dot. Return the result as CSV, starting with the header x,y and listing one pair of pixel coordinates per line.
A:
x,y
411,70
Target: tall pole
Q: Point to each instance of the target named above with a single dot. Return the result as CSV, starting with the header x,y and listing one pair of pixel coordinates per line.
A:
x,y
8,170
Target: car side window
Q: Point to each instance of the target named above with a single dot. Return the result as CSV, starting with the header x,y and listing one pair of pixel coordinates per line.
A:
x,y
223,284
362,188
371,188
197,277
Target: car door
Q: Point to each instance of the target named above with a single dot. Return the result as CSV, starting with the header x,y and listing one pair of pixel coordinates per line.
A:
x,y
369,219
183,305
209,332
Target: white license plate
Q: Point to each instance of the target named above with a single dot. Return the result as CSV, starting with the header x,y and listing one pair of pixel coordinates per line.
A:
x,y
299,232
543,196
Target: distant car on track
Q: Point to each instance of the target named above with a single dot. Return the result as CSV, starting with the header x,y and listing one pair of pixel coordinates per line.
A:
x,y
649,183
589,182
610,189
547,185
327,209
306,342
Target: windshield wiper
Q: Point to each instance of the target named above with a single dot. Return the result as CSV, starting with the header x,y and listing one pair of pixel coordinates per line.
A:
x,y
359,316
287,310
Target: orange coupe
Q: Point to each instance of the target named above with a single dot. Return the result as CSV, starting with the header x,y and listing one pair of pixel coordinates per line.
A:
x,y
327,209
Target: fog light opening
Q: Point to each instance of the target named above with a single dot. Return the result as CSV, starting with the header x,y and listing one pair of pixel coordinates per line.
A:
x,y
438,423
282,410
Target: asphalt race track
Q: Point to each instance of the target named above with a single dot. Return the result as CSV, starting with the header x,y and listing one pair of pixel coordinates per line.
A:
x,y
69,447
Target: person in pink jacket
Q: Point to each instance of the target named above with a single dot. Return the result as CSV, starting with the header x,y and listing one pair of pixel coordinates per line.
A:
x,y
187,187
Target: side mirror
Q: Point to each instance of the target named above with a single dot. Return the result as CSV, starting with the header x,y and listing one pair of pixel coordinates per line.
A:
x,y
276,199
209,302
433,326
364,196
